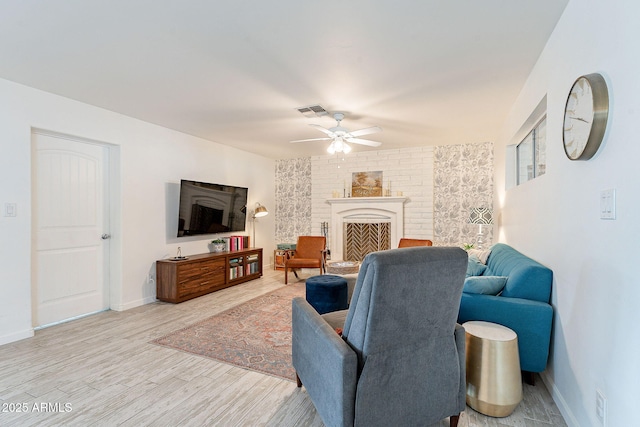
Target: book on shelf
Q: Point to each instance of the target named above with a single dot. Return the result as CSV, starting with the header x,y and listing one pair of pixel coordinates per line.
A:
x,y
236,271
237,243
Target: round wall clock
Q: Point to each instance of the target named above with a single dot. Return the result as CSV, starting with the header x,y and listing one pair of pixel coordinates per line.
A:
x,y
585,117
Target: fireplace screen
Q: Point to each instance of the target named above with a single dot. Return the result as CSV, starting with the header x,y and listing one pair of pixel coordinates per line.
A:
x,y
363,238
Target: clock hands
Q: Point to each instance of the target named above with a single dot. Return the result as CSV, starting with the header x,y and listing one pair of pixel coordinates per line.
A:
x,y
579,118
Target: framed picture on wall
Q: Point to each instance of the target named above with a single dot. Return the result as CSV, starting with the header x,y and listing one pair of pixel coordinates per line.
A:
x,y
366,184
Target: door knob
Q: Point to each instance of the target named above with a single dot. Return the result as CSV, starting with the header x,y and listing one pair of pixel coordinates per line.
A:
x,y
105,236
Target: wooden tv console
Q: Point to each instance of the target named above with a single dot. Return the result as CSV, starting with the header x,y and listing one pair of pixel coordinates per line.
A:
x,y
181,280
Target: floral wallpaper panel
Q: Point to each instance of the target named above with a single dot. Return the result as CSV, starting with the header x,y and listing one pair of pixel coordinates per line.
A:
x,y
463,179
293,199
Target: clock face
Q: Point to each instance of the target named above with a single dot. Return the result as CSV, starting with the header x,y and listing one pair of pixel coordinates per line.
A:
x,y
585,117
578,118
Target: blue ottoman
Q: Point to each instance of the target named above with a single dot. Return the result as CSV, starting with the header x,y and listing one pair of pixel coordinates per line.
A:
x,y
327,293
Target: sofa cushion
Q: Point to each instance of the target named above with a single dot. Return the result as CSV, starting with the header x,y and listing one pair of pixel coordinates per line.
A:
x,y
528,279
475,267
481,254
487,285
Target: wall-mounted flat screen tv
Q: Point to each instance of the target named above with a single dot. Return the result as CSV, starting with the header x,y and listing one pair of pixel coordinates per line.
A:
x,y
211,208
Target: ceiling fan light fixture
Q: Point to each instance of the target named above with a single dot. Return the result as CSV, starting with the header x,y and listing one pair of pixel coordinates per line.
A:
x,y
338,145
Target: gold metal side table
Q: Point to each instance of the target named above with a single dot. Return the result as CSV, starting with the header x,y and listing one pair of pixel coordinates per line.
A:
x,y
494,383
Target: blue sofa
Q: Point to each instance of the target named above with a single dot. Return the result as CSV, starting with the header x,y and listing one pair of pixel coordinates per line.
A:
x,y
523,305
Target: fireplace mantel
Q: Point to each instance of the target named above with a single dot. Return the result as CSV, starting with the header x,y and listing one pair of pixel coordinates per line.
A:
x,y
365,200
365,209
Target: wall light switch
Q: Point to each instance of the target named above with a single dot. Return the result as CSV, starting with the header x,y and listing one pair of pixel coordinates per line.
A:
x,y
10,209
608,204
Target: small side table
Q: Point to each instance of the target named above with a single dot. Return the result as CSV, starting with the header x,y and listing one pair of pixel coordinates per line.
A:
x,y
494,383
280,256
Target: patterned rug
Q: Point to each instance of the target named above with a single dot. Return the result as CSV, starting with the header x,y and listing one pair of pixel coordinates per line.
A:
x,y
254,335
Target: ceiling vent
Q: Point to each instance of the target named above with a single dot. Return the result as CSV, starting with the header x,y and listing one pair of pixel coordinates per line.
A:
x,y
313,111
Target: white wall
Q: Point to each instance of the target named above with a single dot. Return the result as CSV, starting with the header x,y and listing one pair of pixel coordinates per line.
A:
x,y
151,160
555,218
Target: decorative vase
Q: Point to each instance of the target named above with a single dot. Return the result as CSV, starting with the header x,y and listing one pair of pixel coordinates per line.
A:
x,y
218,247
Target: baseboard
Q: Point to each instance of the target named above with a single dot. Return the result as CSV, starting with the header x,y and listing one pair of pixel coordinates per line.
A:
x,y
566,412
6,339
134,304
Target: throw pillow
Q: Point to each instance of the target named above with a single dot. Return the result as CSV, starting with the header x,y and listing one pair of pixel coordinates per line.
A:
x,y
486,285
482,254
475,267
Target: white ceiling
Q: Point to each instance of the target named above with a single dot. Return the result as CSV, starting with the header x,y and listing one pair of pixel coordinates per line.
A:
x,y
429,72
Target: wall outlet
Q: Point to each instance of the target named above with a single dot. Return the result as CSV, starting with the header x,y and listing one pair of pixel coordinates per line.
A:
x,y
601,408
10,209
150,278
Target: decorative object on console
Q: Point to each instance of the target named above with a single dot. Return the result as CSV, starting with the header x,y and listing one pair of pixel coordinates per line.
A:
x,y
218,245
259,212
179,256
366,184
585,117
480,216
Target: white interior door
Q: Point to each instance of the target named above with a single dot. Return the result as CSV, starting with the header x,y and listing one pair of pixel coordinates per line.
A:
x,y
71,229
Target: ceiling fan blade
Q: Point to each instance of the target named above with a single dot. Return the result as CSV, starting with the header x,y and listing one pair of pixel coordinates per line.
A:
x,y
312,139
364,142
366,131
321,129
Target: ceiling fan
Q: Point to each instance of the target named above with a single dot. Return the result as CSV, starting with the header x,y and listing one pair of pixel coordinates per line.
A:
x,y
339,136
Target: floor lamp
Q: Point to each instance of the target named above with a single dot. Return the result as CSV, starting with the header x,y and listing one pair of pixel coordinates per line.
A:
x,y
480,216
259,211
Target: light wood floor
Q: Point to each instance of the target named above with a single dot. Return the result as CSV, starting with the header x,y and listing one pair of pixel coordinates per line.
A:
x,y
102,371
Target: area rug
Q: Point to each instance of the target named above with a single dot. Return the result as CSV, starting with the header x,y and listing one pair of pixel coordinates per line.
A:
x,y
254,335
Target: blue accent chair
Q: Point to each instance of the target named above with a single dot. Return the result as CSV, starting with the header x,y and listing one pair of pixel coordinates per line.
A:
x,y
400,360
523,305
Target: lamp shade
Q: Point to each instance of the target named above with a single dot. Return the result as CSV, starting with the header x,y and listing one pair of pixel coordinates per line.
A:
x,y
260,211
481,216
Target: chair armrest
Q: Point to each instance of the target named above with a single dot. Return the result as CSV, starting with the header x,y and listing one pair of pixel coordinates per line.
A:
x,y
530,320
323,259
326,365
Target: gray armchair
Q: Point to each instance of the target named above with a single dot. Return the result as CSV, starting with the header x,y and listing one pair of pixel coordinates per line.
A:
x,y
400,360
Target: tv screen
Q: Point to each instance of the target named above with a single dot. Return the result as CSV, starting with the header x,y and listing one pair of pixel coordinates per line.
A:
x,y
211,208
